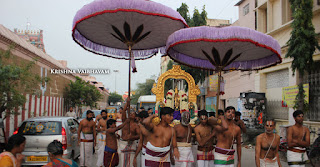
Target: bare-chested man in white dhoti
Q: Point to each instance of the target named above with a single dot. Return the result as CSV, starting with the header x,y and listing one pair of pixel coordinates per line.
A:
x,y
87,139
101,136
142,141
267,146
184,134
205,133
130,133
298,139
224,151
161,139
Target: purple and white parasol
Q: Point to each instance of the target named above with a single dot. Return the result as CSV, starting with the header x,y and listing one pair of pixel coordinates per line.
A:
x,y
97,25
125,29
226,48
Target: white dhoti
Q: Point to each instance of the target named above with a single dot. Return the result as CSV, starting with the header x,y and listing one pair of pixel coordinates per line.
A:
x,y
101,139
127,152
186,157
235,153
224,157
143,156
297,157
157,156
205,159
86,149
269,162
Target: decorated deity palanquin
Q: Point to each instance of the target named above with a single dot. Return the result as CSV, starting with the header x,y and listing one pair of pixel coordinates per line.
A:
x,y
179,100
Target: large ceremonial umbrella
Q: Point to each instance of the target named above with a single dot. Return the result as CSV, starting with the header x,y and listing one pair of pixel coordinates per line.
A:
x,y
219,49
125,29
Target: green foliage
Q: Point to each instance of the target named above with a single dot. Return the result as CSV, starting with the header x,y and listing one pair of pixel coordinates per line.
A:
x,y
198,19
16,79
300,101
143,89
114,98
184,12
81,93
198,75
303,42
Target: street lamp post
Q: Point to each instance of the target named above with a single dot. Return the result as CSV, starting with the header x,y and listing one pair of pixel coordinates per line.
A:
x,y
115,80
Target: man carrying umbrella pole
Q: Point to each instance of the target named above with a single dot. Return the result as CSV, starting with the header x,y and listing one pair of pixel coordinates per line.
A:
x,y
224,153
130,133
205,132
161,139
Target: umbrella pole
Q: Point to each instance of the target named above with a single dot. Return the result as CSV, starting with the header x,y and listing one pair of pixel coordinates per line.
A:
x,y
218,91
129,88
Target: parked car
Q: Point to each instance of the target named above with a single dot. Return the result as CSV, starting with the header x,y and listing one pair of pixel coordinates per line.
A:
x,y
40,131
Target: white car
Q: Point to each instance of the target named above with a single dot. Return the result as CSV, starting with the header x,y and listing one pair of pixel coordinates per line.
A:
x,y
40,131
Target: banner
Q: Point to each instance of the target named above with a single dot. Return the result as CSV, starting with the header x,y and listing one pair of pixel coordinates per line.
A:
x,y
213,82
289,95
211,103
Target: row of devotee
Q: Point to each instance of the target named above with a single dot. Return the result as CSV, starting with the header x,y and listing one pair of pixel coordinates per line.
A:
x,y
12,156
146,143
162,145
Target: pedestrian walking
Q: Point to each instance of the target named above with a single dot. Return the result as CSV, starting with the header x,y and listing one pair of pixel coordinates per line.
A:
x,y
71,113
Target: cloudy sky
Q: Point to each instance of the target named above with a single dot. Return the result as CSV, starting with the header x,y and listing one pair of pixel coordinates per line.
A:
x,y
55,19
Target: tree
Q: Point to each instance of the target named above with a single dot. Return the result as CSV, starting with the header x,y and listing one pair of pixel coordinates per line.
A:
x,y
143,89
114,98
16,78
198,19
81,93
184,12
302,43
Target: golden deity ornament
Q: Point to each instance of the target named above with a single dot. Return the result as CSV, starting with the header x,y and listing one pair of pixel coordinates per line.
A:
x,y
156,121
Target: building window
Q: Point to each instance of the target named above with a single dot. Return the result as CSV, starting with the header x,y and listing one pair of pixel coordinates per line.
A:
x,y
246,9
278,79
313,79
286,12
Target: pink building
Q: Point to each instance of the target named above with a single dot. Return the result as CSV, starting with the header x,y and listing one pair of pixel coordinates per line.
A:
x,y
48,99
247,14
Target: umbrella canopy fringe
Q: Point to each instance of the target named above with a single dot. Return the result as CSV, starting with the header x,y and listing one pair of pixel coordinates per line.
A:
x,y
114,52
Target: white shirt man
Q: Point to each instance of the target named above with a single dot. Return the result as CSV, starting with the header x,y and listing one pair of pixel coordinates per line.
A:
x,y
70,113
